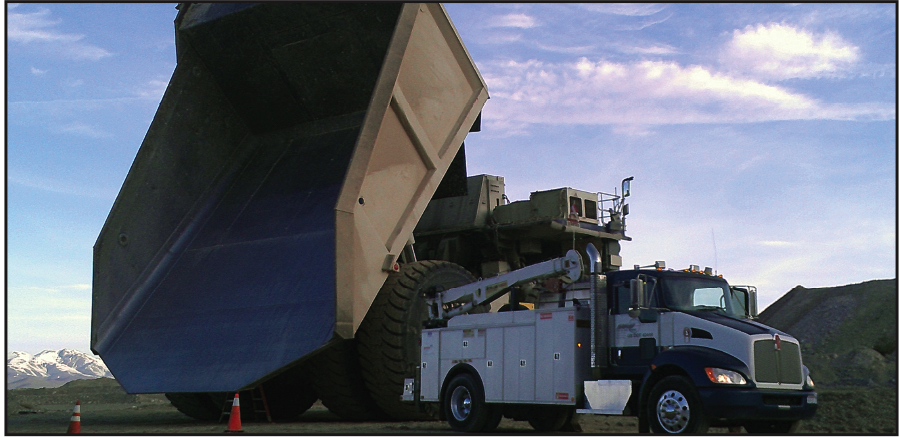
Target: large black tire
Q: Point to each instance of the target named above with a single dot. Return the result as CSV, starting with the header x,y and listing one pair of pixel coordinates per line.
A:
x,y
772,427
388,338
200,406
464,405
336,377
550,418
289,395
674,407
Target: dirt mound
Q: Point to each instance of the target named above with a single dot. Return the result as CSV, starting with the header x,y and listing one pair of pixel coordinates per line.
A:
x,y
848,334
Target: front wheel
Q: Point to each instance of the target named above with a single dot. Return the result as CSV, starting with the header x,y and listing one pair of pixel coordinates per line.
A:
x,y
675,408
772,427
464,405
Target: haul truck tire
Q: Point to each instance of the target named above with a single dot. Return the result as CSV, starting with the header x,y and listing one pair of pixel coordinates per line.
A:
x,y
675,408
336,377
200,406
388,337
288,395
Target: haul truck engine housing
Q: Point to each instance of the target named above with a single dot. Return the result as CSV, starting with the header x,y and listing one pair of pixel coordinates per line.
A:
x,y
678,349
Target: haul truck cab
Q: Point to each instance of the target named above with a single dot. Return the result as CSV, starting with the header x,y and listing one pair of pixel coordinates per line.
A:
x,y
678,349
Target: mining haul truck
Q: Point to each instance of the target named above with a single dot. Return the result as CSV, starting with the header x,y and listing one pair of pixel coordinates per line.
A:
x,y
300,204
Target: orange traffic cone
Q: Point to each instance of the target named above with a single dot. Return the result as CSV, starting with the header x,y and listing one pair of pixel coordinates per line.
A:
x,y
234,421
75,422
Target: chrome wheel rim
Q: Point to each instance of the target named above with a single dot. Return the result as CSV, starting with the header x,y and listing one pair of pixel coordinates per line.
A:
x,y
673,412
460,403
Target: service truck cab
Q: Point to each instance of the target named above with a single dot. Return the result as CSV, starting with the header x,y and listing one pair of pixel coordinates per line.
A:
x,y
678,349
690,338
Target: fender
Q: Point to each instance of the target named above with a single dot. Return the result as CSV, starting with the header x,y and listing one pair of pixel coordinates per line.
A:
x,y
692,360
689,361
457,369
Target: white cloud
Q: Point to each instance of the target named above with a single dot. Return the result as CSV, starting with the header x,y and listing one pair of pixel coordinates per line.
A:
x,y
37,27
521,21
779,51
38,72
649,92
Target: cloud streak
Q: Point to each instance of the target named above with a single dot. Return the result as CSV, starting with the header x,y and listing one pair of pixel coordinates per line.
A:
x,y
626,9
521,21
59,186
82,129
38,28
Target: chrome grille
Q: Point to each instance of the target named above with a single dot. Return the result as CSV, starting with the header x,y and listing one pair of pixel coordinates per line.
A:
x,y
777,366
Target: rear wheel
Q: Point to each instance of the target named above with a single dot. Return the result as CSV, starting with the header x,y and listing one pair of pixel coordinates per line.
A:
x,y
388,338
464,405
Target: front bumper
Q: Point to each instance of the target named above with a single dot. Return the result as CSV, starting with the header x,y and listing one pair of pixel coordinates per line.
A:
x,y
743,403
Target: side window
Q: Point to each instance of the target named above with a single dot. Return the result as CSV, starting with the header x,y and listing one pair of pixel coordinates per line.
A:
x,y
739,299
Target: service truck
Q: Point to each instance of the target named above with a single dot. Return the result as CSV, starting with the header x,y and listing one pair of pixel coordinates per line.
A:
x,y
679,349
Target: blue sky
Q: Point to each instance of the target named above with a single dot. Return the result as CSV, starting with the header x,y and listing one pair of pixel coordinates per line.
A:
x,y
762,137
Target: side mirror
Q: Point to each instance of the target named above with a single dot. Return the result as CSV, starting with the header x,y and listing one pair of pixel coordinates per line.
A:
x,y
626,186
637,293
625,210
751,305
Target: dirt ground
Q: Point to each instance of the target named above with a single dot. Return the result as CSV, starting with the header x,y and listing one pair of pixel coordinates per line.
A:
x,y
46,411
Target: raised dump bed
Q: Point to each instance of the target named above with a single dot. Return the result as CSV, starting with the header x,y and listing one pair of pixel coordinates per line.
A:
x,y
292,155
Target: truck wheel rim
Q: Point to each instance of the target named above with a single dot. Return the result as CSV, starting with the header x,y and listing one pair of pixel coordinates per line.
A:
x,y
460,403
673,411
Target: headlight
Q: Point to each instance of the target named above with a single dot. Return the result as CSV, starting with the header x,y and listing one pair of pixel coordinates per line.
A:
x,y
723,376
809,381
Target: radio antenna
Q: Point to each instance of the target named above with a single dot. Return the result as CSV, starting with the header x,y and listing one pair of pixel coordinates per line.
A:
x,y
715,252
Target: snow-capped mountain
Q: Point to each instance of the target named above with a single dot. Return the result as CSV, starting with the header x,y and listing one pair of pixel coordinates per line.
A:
x,y
51,368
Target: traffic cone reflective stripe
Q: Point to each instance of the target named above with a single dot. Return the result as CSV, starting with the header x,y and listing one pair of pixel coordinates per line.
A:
x,y
234,421
75,422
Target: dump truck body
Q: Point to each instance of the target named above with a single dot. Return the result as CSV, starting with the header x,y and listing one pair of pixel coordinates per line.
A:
x,y
292,155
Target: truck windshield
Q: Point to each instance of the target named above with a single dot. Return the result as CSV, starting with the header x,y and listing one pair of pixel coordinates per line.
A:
x,y
698,294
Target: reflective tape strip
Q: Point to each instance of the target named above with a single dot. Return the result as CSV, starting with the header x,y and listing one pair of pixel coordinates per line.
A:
x,y
76,419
